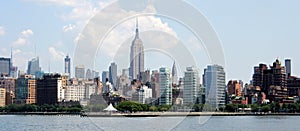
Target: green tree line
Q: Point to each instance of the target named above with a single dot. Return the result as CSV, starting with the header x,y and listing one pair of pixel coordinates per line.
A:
x,y
42,108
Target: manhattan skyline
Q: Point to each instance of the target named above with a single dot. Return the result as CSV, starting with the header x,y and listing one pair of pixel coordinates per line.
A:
x,y
251,32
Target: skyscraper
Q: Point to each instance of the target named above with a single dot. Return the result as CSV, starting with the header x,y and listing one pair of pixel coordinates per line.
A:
x,y
174,74
215,86
79,72
113,72
136,56
68,65
165,87
5,66
288,67
33,66
191,86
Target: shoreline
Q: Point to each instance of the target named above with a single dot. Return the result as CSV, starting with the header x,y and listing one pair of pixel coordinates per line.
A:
x,y
148,114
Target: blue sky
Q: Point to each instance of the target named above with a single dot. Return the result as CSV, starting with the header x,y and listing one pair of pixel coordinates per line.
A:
x,y
251,31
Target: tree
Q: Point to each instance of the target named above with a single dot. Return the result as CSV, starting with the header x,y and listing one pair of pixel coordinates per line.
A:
x,y
231,108
266,108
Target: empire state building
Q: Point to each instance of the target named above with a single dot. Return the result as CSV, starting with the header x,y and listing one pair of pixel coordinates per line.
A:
x,y
136,56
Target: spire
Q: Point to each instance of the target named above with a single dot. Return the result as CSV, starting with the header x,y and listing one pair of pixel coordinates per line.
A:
x,y
137,28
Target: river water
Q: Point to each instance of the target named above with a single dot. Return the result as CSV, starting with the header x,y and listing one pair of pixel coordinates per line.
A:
x,y
76,123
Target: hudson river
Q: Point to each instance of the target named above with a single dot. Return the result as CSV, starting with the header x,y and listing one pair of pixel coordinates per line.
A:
x,y
76,123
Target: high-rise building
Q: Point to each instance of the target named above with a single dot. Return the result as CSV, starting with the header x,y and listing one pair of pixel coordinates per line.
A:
x,y
191,85
113,72
165,86
272,81
105,75
79,72
174,74
68,66
288,66
5,66
34,67
136,56
215,86
25,90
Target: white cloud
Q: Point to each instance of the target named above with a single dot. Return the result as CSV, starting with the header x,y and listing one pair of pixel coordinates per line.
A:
x,y
69,27
55,54
20,42
27,33
23,38
2,31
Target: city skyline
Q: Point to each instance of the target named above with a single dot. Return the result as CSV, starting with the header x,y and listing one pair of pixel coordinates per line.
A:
x,y
29,38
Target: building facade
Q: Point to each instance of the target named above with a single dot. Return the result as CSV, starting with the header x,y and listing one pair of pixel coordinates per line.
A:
x,y
5,66
136,56
165,87
34,67
235,87
113,72
50,89
25,90
272,81
191,83
215,86
80,72
68,66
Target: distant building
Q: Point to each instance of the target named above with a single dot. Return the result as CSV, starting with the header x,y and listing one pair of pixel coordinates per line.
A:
x,y
34,67
214,77
105,75
191,86
123,83
50,89
144,95
165,85
25,90
79,72
136,56
74,92
113,72
155,84
68,66
89,74
275,77
174,74
9,85
2,97
288,66
5,66
144,77
293,86
234,87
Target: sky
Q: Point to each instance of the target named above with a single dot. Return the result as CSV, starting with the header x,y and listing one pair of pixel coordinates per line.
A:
x,y
250,31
